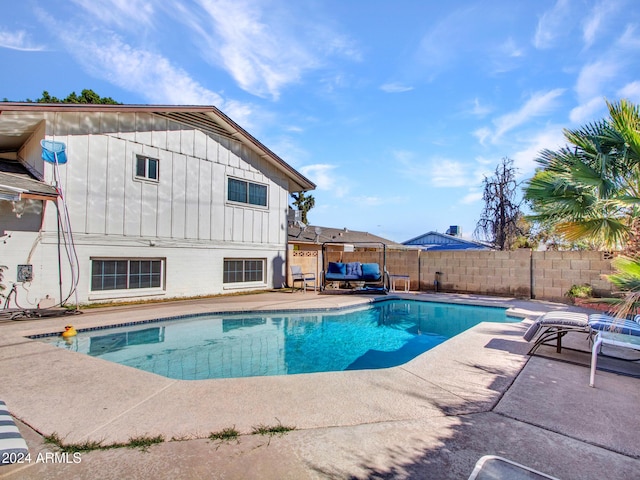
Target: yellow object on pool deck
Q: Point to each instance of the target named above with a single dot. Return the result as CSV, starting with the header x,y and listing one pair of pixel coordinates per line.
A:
x,y
69,331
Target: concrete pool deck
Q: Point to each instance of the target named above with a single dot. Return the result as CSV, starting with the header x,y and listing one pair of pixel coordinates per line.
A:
x,y
433,417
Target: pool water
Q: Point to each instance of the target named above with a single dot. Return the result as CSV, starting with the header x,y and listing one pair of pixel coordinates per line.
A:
x,y
380,335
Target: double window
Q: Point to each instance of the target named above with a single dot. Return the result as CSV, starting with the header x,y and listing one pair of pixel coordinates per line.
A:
x,y
125,274
246,192
243,270
146,168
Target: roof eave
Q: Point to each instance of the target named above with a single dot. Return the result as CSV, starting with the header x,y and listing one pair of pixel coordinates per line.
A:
x,y
297,181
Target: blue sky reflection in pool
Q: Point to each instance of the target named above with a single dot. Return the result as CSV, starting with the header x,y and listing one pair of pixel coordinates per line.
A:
x,y
381,335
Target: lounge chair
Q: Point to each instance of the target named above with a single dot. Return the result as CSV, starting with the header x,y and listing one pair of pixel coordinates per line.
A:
x,y
554,326
13,448
298,276
492,467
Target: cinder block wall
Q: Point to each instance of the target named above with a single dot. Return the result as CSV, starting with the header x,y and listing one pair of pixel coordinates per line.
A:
x,y
477,271
555,272
519,273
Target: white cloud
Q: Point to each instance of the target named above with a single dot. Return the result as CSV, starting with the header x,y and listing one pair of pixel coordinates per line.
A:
x,y
550,138
323,175
18,40
480,110
551,25
263,47
539,104
586,111
147,73
631,91
629,39
395,88
473,196
128,14
482,134
593,77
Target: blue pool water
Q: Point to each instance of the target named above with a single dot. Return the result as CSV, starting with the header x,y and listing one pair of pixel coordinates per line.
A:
x,y
380,335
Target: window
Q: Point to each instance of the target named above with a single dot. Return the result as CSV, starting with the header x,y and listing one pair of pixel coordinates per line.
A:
x,y
247,192
245,270
126,274
146,168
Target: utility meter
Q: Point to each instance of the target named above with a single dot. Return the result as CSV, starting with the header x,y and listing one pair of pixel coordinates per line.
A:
x,y
25,273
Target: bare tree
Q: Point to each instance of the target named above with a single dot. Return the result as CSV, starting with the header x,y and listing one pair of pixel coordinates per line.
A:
x,y
498,222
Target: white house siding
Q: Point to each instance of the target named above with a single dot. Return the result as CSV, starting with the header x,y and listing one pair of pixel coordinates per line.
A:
x,y
183,219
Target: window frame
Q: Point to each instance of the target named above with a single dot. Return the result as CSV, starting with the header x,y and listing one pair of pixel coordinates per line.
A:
x,y
248,271
147,161
128,275
248,193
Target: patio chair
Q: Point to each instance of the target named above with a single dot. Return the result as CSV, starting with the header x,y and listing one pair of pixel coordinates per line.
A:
x,y
298,276
13,448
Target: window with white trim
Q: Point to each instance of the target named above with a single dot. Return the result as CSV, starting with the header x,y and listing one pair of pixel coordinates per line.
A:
x,y
246,192
242,270
147,168
126,274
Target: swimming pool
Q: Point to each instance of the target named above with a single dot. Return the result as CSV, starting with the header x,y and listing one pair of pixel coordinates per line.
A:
x,y
382,334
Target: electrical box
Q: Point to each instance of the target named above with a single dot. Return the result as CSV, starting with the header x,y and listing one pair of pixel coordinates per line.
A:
x,y
25,273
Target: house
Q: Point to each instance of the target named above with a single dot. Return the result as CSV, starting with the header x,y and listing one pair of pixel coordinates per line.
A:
x,y
434,241
161,202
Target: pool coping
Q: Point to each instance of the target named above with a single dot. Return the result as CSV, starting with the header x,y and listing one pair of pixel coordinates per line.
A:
x,y
119,411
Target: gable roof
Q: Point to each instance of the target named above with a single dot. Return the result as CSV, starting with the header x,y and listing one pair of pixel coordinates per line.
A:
x,y
308,234
19,120
443,241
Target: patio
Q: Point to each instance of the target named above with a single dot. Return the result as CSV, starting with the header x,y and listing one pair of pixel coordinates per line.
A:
x,y
434,417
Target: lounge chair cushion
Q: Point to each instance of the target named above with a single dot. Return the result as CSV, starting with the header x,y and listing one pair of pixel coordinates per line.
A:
x,y
13,448
608,323
371,271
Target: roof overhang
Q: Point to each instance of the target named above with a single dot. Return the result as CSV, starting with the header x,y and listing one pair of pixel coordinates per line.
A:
x,y
17,187
15,129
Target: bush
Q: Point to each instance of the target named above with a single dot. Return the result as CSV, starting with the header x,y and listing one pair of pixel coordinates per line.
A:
x,y
580,291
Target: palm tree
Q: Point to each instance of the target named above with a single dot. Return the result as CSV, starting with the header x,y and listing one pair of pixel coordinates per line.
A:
x,y
590,189
304,203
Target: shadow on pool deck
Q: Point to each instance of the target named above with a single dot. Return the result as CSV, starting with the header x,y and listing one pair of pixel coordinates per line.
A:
x,y
476,394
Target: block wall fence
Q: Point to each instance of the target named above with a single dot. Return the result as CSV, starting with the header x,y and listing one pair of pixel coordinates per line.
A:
x,y
520,273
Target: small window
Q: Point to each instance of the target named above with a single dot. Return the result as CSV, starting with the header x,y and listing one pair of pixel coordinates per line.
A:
x,y
243,270
147,168
247,192
123,274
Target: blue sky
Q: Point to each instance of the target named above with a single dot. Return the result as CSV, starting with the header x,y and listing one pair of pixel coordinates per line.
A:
x,y
396,110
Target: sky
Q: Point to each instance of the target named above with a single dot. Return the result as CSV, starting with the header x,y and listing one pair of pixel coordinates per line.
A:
x,y
397,110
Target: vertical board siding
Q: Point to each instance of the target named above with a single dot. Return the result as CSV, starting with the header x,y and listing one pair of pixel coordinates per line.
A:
x,y
178,197
192,187
204,201
165,189
116,186
189,200
96,189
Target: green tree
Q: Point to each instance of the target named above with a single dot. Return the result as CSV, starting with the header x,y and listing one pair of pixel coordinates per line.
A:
x,y
304,203
86,96
588,191
499,221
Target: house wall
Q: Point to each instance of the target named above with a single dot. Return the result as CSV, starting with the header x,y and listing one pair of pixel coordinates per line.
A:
x,y
184,218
